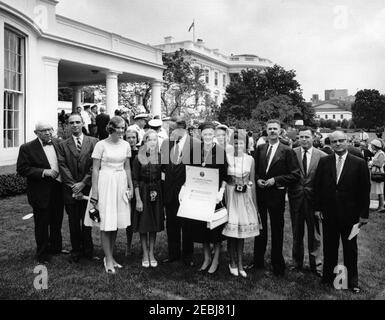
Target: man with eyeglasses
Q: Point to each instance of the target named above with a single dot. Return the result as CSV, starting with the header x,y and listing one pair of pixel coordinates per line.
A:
x,y
342,190
37,161
75,164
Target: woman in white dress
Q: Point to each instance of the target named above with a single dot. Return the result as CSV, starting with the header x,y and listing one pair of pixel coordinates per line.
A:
x,y
241,202
377,165
112,188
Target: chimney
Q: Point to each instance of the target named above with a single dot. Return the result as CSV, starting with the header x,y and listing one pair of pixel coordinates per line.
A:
x,y
168,39
200,42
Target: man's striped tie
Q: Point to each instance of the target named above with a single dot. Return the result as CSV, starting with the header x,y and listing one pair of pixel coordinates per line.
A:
x,y
78,144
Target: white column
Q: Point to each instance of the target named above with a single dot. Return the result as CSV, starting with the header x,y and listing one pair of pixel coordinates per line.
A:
x,y
48,108
76,98
156,104
112,93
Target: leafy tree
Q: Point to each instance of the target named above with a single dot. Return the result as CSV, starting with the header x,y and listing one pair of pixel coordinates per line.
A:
x,y
369,109
251,91
183,84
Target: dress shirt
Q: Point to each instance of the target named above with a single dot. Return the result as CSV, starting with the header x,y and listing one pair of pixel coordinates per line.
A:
x,y
50,153
343,163
273,151
76,139
308,155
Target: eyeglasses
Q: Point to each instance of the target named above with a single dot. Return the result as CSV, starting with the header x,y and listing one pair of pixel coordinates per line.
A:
x,y
75,122
338,140
45,130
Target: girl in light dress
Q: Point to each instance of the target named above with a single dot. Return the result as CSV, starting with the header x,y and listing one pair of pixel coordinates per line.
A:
x,y
112,188
241,202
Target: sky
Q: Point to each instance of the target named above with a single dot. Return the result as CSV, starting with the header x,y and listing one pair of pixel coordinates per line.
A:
x,y
331,44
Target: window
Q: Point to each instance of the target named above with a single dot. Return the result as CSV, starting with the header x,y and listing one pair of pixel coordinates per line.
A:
x,y
224,81
207,78
14,60
342,116
334,116
216,100
216,78
326,116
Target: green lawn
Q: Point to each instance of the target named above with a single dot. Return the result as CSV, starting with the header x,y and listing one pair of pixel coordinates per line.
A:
x,y
87,280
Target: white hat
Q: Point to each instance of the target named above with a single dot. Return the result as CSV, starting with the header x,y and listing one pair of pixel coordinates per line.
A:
x,y
377,143
155,123
141,116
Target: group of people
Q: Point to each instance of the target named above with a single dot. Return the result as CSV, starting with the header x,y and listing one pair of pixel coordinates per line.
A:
x,y
134,180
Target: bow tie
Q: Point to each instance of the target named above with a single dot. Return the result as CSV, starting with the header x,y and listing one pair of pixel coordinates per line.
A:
x,y
47,143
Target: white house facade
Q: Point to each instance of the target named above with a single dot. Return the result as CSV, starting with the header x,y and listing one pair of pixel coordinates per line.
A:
x,y
329,111
217,66
41,52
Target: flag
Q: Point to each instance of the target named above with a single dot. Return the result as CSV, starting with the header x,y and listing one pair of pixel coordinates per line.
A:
x,y
192,26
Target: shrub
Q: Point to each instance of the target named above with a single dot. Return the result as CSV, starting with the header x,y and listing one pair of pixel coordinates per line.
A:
x,y
11,185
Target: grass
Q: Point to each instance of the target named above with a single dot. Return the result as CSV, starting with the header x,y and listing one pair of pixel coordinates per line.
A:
x,y
87,280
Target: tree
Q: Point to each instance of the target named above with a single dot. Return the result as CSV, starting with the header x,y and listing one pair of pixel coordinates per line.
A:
x,y
278,107
183,84
250,88
369,109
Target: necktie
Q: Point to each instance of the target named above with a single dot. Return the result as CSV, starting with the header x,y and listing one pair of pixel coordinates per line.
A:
x,y
78,144
268,155
339,167
304,162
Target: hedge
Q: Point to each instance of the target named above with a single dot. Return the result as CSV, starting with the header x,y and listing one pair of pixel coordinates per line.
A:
x,y
11,185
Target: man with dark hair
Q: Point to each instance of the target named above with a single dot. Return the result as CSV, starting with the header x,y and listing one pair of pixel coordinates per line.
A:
x,y
92,126
177,152
276,168
37,161
327,148
75,165
342,198
301,199
102,120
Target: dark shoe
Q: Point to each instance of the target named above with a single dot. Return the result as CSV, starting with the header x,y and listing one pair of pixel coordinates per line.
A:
x,y
188,263
381,211
170,260
44,259
256,266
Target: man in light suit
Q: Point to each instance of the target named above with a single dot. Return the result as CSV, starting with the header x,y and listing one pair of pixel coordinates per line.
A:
x,y
75,165
342,198
177,152
276,168
301,199
37,161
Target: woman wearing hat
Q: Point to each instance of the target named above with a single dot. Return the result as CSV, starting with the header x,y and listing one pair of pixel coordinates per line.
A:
x,y
377,165
212,156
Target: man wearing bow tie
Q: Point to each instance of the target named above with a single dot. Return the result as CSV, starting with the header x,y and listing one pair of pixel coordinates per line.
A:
x,y
75,165
37,161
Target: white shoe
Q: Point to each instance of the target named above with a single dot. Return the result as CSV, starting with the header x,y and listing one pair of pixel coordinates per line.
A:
x,y
243,273
233,271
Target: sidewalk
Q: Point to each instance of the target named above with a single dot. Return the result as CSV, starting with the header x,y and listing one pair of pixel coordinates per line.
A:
x,y
7,169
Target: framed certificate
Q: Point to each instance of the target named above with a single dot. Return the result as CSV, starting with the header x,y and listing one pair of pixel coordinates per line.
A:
x,y
199,198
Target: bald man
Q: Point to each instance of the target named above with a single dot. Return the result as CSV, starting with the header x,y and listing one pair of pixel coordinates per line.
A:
x,y
38,162
342,189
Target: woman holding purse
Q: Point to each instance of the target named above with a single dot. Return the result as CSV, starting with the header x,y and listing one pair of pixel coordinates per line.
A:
x,y
377,166
148,217
112,188
241,202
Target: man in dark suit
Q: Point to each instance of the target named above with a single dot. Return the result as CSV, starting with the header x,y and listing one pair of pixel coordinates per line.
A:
x,y
102,120
276,169
301,199
75,164
37,161
177,152
342,189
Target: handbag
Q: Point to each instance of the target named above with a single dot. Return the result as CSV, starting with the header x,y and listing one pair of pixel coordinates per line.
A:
x,y
377,176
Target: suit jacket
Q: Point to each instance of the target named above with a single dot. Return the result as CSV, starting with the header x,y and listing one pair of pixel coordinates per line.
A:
x,y
102,120
31,163
348,200
175,174
304,188
284,167
75,166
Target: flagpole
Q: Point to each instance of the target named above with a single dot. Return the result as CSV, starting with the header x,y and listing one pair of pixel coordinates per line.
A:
x,y
194,30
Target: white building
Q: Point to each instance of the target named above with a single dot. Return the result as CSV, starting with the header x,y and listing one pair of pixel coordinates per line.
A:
x,y
41,51
216,65
330,111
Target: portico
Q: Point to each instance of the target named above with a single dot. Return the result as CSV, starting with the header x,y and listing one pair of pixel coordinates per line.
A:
x,y
41,52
